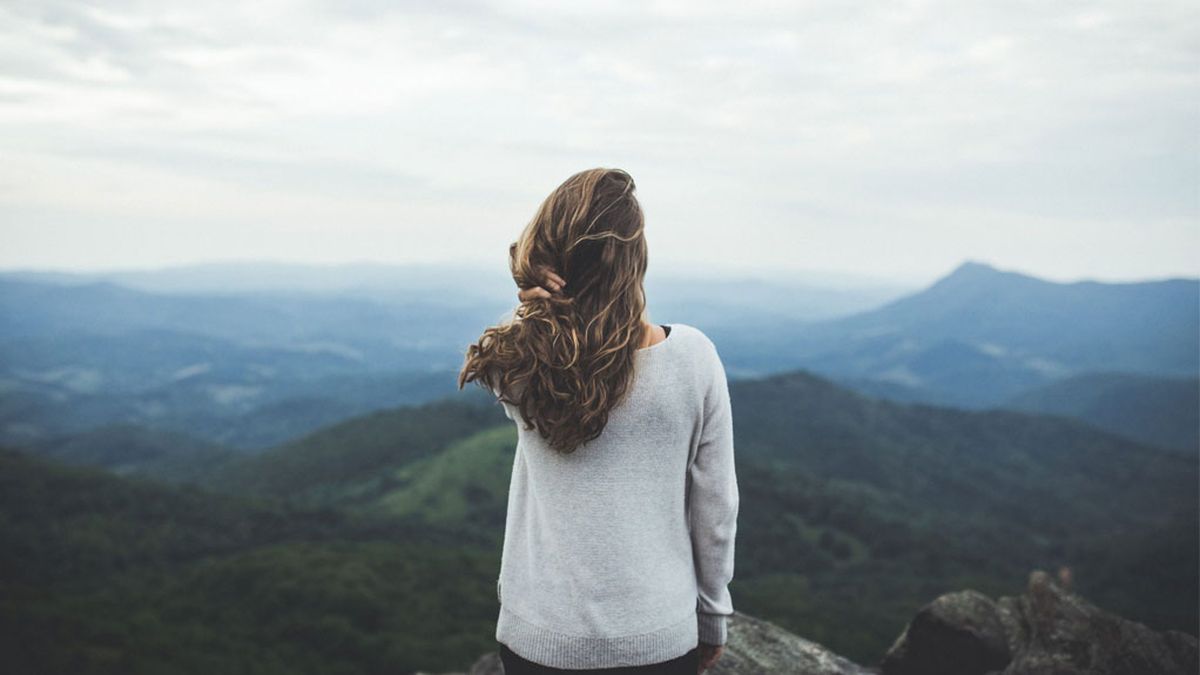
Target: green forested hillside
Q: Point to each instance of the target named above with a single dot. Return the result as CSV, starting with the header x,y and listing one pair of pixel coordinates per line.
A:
x,y
942,499
855,512
100,574
354,454
993,463
1160,410
132,449
466,483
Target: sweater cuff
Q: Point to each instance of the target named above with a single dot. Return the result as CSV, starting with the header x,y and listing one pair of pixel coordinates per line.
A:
x,y
712,628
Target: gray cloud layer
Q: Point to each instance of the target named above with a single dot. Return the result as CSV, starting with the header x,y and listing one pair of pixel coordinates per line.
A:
x,y
887,138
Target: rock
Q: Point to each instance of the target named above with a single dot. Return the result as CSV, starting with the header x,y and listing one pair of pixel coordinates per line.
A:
x,y
488,664
956,634
1044,631
755,647
1065,635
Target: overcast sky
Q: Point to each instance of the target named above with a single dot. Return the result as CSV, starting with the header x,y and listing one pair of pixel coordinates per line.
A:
x,y
1060,139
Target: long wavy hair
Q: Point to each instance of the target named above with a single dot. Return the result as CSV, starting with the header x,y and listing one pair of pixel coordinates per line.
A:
x,y
565,361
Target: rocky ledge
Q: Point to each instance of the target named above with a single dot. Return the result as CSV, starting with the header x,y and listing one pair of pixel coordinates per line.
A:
x,y
1047,630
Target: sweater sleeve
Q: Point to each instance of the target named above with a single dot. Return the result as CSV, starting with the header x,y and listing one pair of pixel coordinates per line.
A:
x,y
713,508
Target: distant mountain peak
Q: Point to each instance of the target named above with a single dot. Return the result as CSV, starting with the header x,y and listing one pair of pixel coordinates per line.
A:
x,y
974,275
973,267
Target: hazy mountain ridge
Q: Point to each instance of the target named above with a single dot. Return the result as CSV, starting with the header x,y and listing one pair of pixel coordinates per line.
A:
x,y
250,355
244,397
980,335
255,362
810,295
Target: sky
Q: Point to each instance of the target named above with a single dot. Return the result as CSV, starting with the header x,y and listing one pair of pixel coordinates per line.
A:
x,y
890,139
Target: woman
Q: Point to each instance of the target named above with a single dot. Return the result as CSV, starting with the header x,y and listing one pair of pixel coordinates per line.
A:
x,y
622,508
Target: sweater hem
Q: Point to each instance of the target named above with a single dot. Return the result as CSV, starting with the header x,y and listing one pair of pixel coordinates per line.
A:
x,y
562,650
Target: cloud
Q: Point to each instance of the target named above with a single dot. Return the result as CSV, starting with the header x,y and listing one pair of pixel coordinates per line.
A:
x,y
448,122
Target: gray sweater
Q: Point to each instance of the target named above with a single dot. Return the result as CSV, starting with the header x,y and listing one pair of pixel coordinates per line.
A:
x,y
621,553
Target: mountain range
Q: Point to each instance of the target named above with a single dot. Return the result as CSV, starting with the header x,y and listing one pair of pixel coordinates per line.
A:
x,y
185,484
979,336
251,356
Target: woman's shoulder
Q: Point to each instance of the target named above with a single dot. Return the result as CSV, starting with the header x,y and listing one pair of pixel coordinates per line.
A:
x,y
692,335
695,347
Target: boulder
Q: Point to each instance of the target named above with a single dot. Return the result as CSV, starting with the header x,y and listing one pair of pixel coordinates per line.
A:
x,y
1047,630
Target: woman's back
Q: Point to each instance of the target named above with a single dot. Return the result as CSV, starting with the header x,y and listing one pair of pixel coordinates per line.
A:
x,y
620,553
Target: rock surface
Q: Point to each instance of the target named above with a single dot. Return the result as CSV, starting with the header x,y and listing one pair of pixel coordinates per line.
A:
x,y
755,647
1046,630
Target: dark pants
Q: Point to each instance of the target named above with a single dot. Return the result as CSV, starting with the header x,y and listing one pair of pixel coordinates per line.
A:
x,y
687,664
